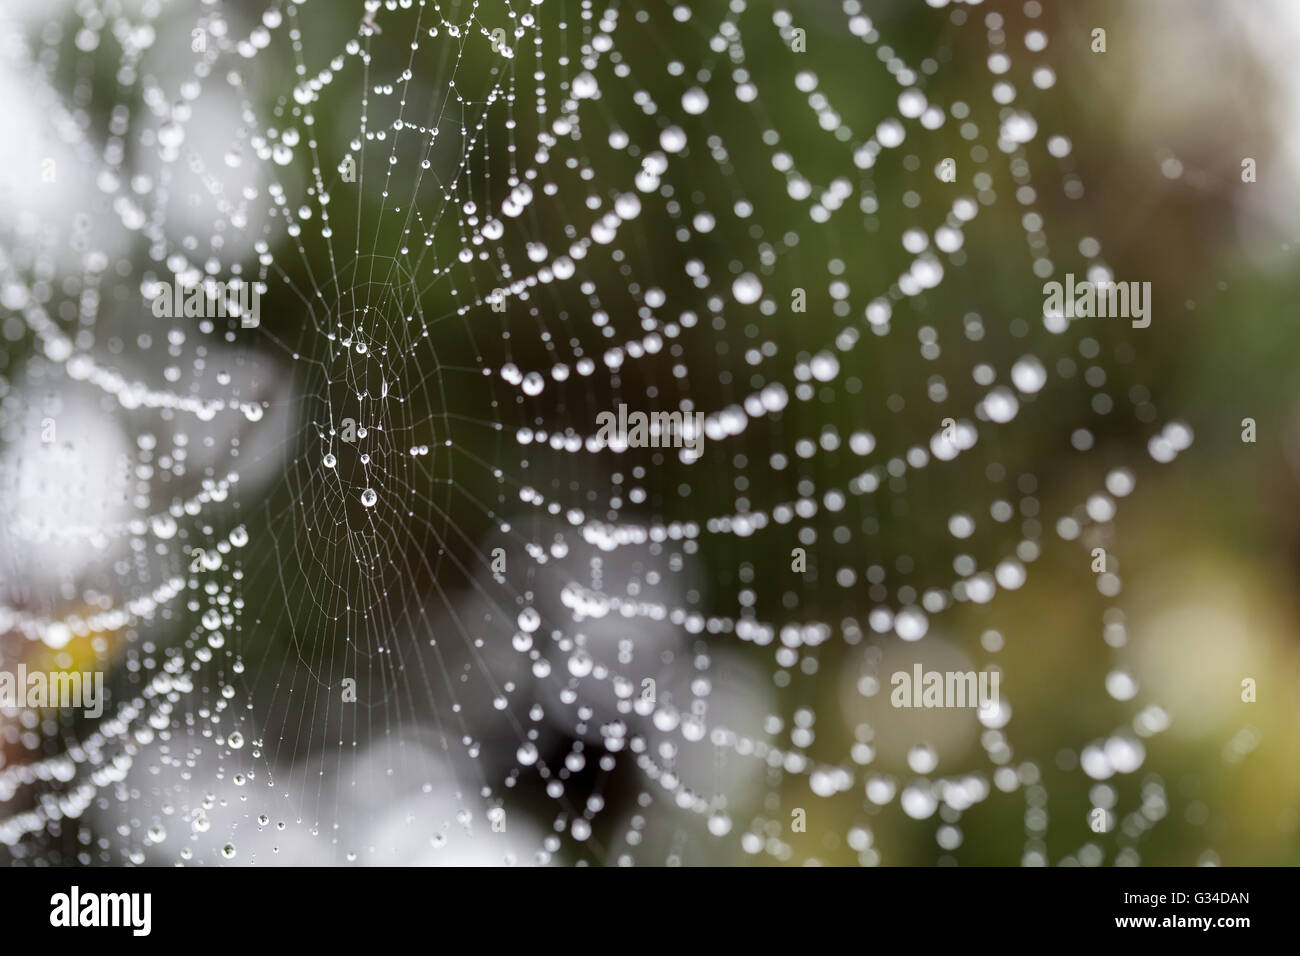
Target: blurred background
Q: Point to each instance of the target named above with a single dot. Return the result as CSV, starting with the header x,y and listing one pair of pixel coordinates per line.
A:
x,y
455,669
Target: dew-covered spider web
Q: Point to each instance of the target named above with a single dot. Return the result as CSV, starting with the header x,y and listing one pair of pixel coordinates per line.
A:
x,y
366,582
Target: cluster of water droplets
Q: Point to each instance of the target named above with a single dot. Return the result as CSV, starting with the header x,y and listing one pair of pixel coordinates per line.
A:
x,y
567,648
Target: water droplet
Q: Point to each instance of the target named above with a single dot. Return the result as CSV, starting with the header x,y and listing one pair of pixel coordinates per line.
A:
x,y
747,289
585,86
1028,375
695,101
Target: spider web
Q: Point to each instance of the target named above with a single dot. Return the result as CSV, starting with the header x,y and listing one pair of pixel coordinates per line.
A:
x,y
367,582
